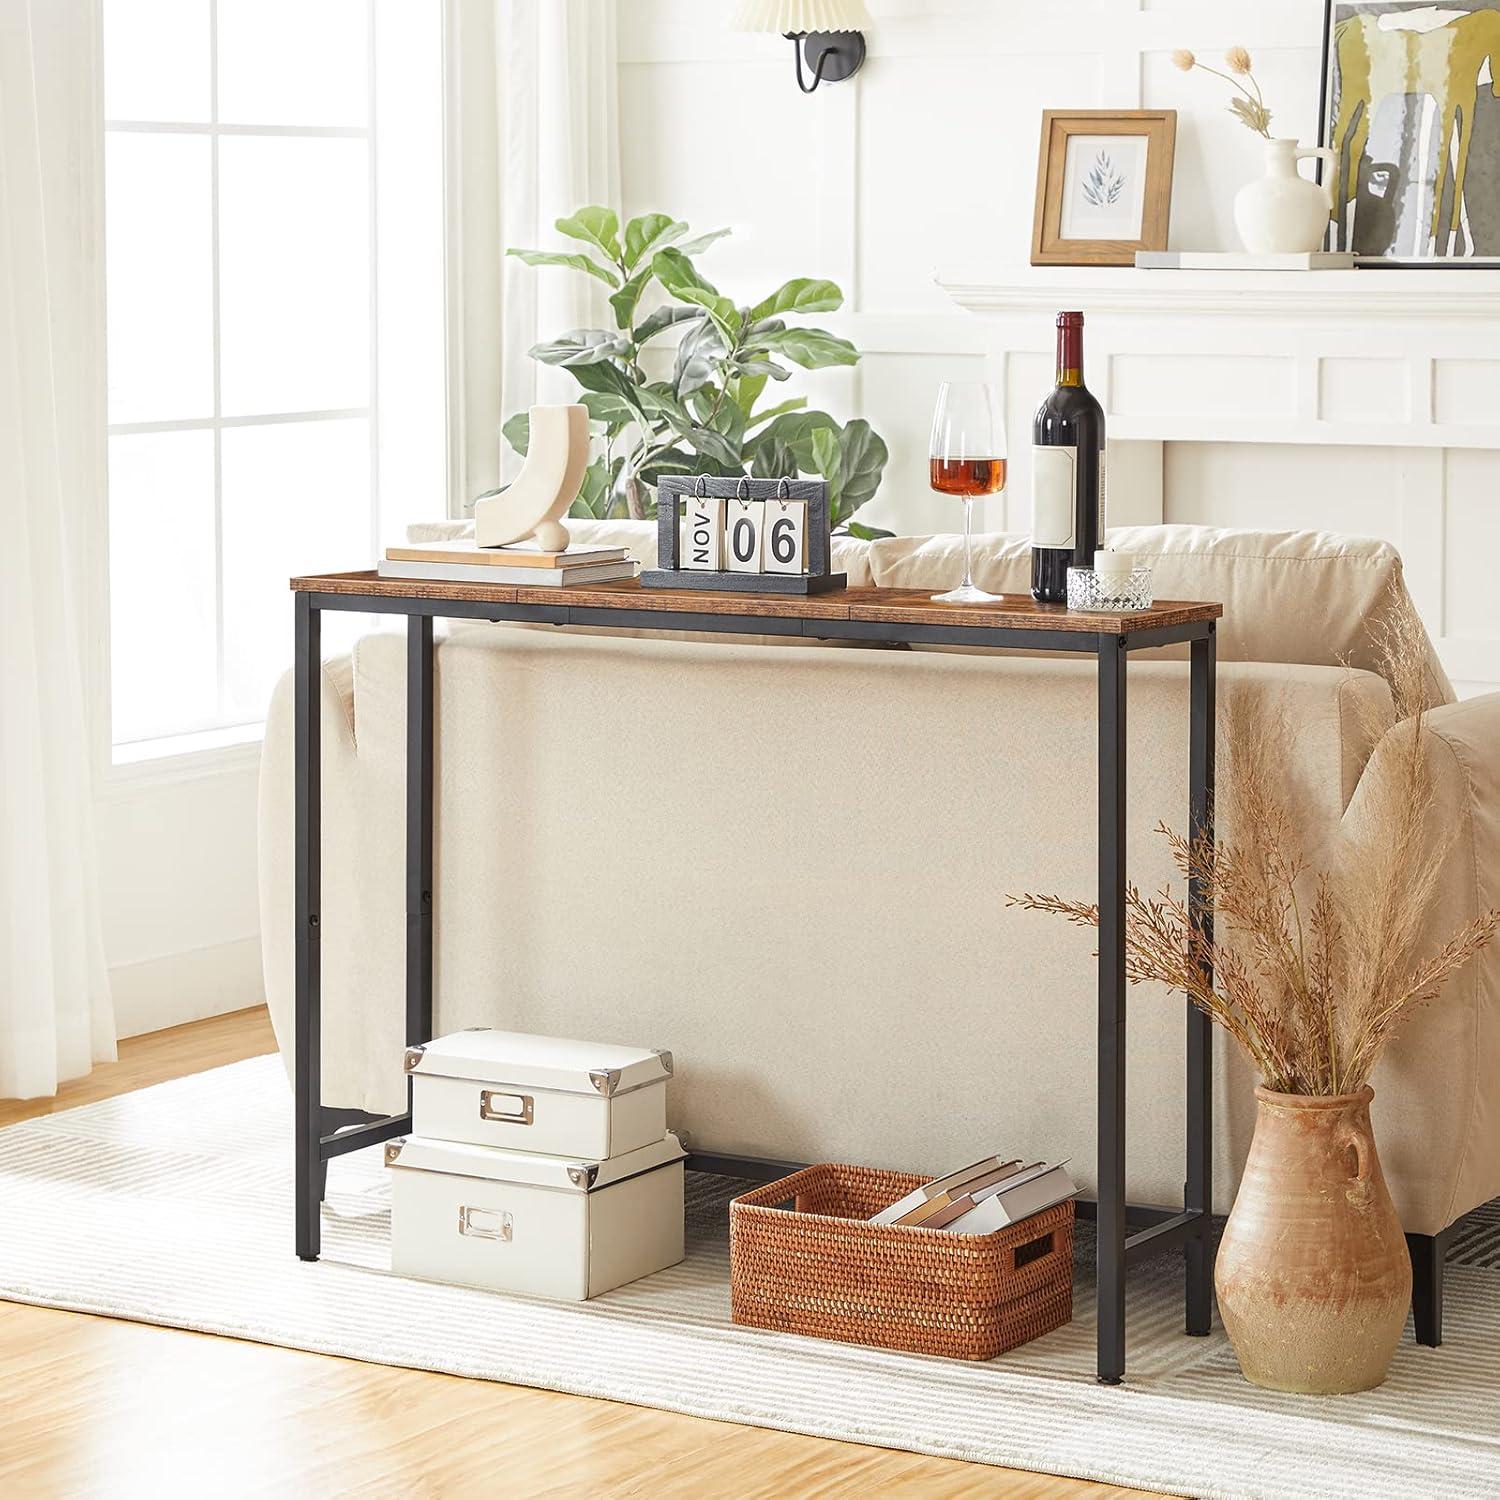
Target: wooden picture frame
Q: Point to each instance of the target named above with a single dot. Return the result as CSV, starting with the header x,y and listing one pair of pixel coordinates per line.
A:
x,y
1122,187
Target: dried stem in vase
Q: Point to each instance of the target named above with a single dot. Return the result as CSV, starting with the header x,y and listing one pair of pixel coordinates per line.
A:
x,y
1315,963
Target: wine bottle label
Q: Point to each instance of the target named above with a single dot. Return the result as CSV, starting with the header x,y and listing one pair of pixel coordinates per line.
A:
x,y
1103,497
1052,492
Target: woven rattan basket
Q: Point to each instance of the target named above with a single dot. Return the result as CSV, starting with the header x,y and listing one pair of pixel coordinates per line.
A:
x,y
819,1269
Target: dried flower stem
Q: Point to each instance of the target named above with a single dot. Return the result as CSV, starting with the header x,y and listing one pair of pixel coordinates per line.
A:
x,y
1311,971
1250,107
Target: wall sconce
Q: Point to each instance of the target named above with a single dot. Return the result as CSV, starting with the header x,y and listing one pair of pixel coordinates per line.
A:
x,y
828,33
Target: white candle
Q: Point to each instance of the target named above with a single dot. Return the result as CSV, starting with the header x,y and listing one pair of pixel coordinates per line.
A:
x,y
1116,566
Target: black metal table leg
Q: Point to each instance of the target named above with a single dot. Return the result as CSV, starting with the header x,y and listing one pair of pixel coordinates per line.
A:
x,y
307,755
1111,1041
419,767
1198,1194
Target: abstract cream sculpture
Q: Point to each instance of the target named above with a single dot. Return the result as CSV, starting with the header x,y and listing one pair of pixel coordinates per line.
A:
x,y
556,456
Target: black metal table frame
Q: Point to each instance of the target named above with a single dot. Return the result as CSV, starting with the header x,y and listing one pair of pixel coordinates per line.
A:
x,y
322,1134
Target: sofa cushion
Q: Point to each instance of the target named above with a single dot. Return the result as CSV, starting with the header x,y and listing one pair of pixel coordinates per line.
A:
x,y
1290,596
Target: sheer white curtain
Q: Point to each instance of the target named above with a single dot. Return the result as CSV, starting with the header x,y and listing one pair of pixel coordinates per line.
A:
x,y
534,100
56,1020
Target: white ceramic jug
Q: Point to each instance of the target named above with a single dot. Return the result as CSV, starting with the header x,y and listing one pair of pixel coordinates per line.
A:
x,y
1283,212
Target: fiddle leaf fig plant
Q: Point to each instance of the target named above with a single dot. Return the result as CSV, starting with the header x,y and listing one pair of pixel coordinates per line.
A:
x,y
713,403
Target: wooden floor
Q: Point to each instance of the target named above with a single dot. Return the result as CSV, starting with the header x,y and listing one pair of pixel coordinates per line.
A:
x,y
96,1407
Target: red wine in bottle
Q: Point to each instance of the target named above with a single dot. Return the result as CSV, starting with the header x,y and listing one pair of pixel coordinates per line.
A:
x,y
1067,472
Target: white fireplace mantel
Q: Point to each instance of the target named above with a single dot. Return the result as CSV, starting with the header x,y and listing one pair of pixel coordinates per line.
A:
x,y
1406,358
1332,295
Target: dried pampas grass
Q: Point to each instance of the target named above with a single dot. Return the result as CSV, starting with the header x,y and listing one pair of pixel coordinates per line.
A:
x,y
1313,966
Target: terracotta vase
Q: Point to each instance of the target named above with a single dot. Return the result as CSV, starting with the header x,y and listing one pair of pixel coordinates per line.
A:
x,y
1313,1274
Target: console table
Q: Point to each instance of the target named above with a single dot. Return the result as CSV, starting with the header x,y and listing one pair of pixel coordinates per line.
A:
x,y
856,614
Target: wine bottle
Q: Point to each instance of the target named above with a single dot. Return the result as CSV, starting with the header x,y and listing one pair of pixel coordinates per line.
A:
x,y
1067,472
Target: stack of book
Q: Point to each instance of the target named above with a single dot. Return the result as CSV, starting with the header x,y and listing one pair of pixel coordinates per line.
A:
x,y
983,1197
462,561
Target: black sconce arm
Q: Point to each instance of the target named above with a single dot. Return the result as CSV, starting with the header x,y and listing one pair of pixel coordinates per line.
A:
x,y
802,84
834,55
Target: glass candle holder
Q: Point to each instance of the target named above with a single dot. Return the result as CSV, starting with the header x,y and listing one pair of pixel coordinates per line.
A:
x,y
1101,593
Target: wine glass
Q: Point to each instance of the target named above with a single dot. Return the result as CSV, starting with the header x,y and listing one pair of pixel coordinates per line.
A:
x,y
967,459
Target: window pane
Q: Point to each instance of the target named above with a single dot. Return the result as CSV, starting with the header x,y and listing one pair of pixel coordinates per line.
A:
x,y
159,268
294,274
296,500
156,56
161,583
293,62
409,207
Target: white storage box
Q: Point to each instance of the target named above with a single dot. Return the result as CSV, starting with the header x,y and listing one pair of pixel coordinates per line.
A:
x,y
539,1093
541,1225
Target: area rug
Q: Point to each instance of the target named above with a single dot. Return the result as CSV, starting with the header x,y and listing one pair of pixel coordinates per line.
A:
x,y
173,1206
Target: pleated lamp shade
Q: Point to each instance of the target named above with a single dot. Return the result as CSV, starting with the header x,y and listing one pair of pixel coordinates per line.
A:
x,y
796,17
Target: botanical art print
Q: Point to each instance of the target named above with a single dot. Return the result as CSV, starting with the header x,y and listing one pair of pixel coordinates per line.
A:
x,y
1104,187
1104,184
1411,109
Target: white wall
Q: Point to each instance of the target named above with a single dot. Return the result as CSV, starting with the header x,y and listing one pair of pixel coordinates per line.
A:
x,y
926,162
177,878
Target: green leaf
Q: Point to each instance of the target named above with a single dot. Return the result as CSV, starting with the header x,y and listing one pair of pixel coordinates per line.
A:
x,y
762,369
583,346
624,301
699,356
676,272
812,348
610,378
702,403
692,247
773,460
730,420
595,226
747,389
658,401
714,445
772,412
794,431
803,295
864,533
611,409
825,460
576,262
678,461
648,233
863,456
517,432
594,495
664,318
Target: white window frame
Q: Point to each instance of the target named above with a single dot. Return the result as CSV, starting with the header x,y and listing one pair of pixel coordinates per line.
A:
x,y
227,747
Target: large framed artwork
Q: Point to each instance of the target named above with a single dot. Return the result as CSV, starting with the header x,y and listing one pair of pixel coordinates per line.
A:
x,y
1411,111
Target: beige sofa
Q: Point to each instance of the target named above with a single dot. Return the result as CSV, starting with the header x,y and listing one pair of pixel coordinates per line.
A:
x,y
789,865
